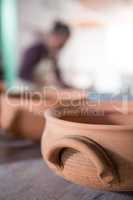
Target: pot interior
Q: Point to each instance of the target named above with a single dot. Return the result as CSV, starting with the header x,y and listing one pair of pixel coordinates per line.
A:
x,y
87,116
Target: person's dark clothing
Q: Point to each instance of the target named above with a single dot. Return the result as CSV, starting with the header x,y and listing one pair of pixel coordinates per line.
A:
x,y
1,69
31,58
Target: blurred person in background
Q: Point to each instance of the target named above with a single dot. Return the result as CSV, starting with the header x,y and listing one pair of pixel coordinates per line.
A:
x,y
2,86
1,69
48,47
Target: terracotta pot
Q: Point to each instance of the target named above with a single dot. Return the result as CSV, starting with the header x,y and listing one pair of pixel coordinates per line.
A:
x,y
22,113
2,90
22,117
90,148
2,87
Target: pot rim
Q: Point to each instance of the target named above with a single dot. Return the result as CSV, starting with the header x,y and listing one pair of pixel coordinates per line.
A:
x,y
49,116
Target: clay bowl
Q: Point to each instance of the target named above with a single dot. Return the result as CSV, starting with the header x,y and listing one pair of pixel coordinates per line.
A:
x,y
22,114
90,148
2,87
2,90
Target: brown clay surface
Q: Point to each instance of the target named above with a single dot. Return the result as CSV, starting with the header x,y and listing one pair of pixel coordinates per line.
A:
x,y
22,168
93,149
22,114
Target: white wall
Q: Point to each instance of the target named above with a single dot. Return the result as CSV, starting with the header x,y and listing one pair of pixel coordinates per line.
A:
x,y
99,56
103,56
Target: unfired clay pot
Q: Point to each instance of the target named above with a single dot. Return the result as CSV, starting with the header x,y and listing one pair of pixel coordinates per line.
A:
x,y
89,147
2,87
22,114
22,117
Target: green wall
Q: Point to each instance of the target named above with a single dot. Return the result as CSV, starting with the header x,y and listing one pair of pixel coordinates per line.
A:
x,y
0,28
8,39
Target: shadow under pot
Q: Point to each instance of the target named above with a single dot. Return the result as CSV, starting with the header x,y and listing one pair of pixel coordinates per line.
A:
x,y
22,114
90,149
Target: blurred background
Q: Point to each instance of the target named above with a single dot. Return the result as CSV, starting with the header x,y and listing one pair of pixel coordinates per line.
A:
x,y
85,44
